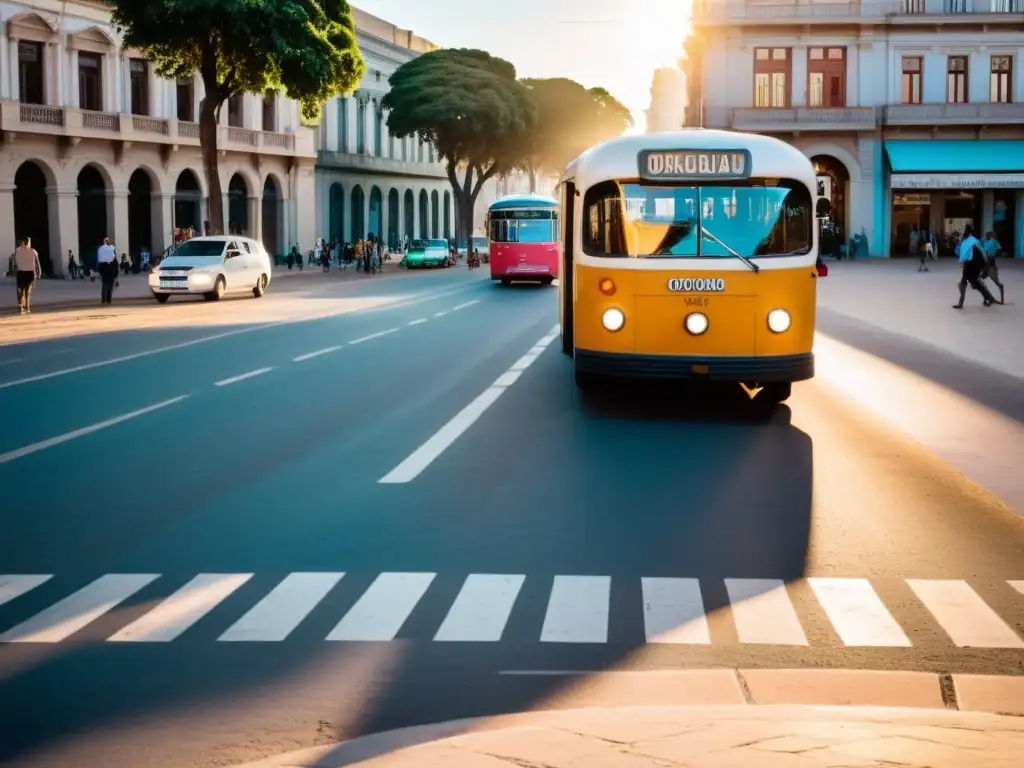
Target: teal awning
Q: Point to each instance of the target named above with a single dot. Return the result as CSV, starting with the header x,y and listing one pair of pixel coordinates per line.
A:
x,y
956,156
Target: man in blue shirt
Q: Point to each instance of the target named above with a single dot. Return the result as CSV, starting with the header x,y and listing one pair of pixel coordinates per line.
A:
x,y
972,264
992,248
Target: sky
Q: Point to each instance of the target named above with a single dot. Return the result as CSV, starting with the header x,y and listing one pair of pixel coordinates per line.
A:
x,y
615,44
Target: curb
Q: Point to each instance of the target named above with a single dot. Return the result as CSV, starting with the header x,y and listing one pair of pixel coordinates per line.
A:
x,y
822,693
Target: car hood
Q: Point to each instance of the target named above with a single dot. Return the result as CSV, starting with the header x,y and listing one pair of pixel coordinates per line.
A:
x,y
195,262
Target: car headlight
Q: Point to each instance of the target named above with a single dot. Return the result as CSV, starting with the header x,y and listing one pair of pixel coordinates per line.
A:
x,y
696,323
779,321
202,278
613,319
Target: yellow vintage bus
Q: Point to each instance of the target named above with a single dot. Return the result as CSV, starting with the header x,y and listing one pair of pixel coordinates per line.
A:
x,y
690,255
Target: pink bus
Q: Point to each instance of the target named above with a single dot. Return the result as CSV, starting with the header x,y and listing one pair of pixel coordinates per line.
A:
x,y
522,237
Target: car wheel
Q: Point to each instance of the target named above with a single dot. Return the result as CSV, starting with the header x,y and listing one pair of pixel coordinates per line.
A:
x,y
218,291
161,298
261,286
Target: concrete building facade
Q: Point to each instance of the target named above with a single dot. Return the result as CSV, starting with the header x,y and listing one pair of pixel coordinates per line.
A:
x,y
912,110
668,101
93,144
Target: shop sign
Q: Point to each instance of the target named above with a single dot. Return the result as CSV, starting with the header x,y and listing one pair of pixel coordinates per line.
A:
x,y
957,181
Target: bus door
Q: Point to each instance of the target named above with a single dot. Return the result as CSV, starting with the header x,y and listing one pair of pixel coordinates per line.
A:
x,y
566,275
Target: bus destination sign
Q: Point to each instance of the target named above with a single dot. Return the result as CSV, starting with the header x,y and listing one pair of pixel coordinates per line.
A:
x,y
695,163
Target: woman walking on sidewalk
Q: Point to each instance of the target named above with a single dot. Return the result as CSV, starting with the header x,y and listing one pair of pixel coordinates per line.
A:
x,y
26,270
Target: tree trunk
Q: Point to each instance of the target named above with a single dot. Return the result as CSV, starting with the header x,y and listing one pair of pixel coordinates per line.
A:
x,y
208,145
466,193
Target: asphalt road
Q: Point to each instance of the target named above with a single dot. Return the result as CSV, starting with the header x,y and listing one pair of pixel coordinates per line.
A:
x,y
352,507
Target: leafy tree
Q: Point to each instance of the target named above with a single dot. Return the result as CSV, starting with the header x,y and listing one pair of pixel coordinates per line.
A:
x,y
307,48
570,119
470,106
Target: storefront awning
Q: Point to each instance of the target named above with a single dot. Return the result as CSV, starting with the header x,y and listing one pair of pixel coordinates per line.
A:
x,y
952,156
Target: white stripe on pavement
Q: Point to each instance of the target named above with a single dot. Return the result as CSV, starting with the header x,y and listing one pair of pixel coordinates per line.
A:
x,y
243,377
52,441
417,322
373,336
482,609
182,609
764,613
858,615
13,586
382,610
443,439
275,616
441,314
318,353
65,618
674,612
965,617
466,304
578,610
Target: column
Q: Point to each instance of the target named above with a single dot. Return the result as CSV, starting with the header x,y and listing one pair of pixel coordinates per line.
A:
x,y
415,215
163,221
5,58
988,210
255,205
353,115
368,129
62,204
12,69
117,219
328,127
124,89
71,83
51,62
853,76
798,88
59,58
7,240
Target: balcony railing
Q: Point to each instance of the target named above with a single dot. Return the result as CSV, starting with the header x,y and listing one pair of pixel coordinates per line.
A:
x,y
943,7
824,11
956,114
795,119
80,123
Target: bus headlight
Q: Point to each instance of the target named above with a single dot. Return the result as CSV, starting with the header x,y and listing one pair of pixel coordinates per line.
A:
x,y
779,321
613,319
696,323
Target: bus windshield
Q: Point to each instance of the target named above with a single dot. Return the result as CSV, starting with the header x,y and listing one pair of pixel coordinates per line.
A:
x,y
763,217
523,226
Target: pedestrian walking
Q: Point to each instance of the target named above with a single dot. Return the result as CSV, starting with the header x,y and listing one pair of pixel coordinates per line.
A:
x,y
972,264
992,249
27,270
106,265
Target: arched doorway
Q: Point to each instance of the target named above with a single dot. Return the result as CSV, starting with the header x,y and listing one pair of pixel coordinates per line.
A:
x,y
447,215
238,206
140,213
376,213
435,214
358,221
92,215
271,214
187,197
393,218
336,213
834,185
424,213
31,212
409,211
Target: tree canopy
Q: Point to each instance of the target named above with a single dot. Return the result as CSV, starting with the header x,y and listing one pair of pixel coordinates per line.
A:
x,y
306,48
570,119
471,107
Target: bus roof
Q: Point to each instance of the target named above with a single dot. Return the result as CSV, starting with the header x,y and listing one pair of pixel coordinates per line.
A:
x,y
618,157
523,201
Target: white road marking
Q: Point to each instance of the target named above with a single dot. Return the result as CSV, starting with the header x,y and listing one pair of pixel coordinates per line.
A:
x,y
507,379
417,322
275,616
674,612
318,353
65,618
482,609
578,610
764,613
441,314
373,336
182,609
12,586
466,304
243,377
52,441
11,362
443,439
965,617
382,610
525,361
857,614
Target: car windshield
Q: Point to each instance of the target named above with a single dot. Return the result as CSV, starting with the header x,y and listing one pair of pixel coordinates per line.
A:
x,y
418,245
438,243
201,248
765,217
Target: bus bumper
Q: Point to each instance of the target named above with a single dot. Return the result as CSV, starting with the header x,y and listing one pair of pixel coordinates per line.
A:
x,y
749,370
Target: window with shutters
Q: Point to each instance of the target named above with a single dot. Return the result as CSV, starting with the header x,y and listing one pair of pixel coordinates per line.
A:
x,y
911,86
956,80
826,77
771,78
1001,80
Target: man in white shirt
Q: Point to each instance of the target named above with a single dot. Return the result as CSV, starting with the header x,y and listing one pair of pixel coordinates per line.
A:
x,y
27,270
972,262
106,265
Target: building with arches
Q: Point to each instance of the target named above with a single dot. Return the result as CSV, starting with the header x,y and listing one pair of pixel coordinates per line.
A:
x,y
93,144
911,110
369,182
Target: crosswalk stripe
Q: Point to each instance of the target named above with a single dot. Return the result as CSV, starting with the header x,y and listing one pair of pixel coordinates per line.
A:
x,y
857,613
578,610
481,609
64,618
13,585
674,612
181,610
965,617
275,616
763,612
382,610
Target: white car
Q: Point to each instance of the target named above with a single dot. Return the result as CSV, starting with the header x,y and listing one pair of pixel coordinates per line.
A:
x,y
213,266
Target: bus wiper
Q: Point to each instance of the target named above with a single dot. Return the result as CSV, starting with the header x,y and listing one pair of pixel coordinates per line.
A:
x,y
732,252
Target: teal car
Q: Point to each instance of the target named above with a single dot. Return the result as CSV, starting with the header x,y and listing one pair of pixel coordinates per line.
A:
x,y
427,253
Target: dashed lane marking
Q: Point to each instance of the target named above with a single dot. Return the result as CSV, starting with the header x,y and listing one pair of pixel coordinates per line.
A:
x,y
242,377
464,305
417,322
318,353
374,336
